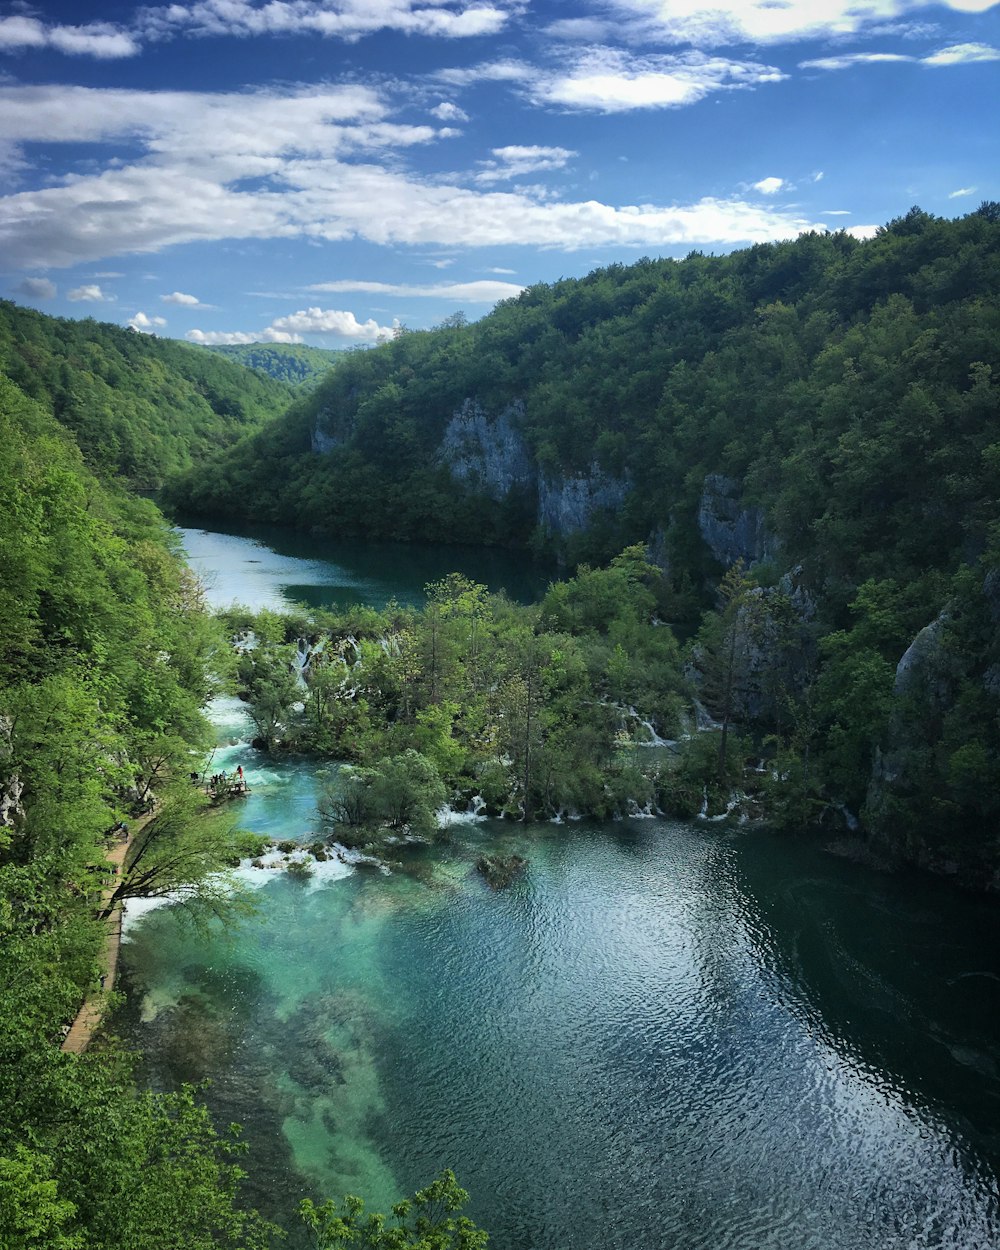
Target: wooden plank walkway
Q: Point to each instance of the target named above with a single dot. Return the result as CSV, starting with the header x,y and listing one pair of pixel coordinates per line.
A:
x,y
92,1009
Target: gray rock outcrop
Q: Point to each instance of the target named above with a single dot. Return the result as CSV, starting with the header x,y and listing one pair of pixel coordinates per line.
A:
x,y
488,455
731,530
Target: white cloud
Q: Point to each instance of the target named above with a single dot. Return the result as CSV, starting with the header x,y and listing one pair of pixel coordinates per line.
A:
x,y
222,338
500,269
37,288
341,19
144,324
98,39
611,80
264,166
863,232
720,23
178,297
956,54
954,195
580,29
331,321
854,58
836,212
818,176
962,54
290,329
482,292
769,186
515,161
448,112
89,294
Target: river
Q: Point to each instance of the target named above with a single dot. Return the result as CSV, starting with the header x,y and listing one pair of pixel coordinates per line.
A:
x,y
663,1036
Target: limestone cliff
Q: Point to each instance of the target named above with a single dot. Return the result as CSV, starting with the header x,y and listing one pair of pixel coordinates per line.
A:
x,y
488,455
731,529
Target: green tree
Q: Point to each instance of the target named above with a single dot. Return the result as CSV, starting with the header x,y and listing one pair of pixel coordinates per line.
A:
x,y
430,1220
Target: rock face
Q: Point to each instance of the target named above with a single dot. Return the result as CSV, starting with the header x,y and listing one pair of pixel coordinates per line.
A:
x,y
321,442
11,786
915,809
488,455
568,505
325,436
732,531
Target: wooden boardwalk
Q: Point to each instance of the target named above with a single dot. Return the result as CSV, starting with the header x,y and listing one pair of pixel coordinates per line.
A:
x,y
92,1010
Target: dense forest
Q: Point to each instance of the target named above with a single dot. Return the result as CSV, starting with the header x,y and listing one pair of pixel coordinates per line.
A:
x,y
294,363
823,410
140,407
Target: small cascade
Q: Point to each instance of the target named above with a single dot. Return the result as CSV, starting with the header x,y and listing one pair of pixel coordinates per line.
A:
x,y
300,662
703,719
736,799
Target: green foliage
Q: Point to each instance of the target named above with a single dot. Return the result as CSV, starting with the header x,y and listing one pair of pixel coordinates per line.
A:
x,y
139,406
294,363
106,658
430,1220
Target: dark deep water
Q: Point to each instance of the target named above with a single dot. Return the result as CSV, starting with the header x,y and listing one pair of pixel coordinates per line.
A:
x,y
662,1036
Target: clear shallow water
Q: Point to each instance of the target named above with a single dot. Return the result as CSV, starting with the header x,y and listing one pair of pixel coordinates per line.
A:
x,y
661,1036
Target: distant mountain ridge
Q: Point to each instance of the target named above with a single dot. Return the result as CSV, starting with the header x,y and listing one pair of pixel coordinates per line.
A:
x,y
294,363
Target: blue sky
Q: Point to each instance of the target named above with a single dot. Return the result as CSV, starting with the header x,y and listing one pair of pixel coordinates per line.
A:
x,y
321,170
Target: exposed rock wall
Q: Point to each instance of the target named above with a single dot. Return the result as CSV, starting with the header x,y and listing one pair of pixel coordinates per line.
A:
x,y
731,530
568,505
489,455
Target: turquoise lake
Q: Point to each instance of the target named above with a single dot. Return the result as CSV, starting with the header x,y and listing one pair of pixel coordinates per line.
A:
x,y
662,1036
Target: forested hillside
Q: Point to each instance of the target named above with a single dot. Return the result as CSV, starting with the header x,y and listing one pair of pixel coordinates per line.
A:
x,y
140,407
105,662
823,410
294,363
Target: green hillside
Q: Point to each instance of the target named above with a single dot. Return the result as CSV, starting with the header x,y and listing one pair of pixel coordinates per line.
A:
x,y
140,406
105,662
294,363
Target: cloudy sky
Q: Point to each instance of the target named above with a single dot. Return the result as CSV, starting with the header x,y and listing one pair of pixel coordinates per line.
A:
x,y
321,170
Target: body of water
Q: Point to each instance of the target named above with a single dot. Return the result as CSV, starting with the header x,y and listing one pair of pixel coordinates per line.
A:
x,y
662,1036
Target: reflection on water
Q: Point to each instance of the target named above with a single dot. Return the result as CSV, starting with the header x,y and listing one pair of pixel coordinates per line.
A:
x,y
628,1048
661,1036
265,567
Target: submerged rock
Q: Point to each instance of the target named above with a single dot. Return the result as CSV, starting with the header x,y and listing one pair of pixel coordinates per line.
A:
x,y
500,871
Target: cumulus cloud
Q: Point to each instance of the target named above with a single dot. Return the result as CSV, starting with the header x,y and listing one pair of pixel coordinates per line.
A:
x,y
515,161
37,288
769,186
144,324
720,23
482,292
290,329
89,294
97,39
266,166
448,112
178,297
